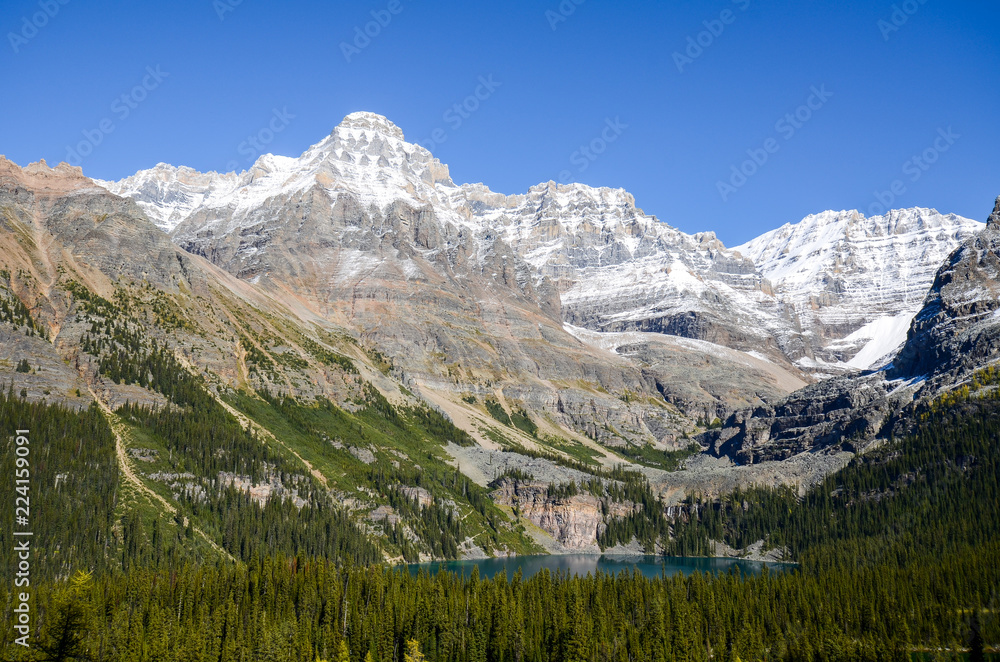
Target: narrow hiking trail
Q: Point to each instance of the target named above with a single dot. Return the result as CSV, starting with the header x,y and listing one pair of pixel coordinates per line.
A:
x,y
125,464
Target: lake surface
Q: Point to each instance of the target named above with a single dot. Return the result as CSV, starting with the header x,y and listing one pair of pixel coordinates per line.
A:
x,y
581,564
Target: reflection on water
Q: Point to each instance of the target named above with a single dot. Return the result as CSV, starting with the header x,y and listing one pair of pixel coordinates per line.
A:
x,y
582,564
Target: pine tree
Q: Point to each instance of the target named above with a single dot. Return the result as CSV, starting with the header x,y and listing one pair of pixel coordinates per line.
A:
x,y
976,652
578,647
64,637
413,653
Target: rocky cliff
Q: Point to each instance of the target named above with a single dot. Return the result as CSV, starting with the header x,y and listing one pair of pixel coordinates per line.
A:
x,y
955,333
958,327
575,521
854,283
364,214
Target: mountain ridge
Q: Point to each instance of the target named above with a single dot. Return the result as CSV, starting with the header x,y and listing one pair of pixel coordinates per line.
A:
x,y
299,288
615,268
952,342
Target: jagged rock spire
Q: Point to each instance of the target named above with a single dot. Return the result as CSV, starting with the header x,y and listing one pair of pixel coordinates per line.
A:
x,y
994,218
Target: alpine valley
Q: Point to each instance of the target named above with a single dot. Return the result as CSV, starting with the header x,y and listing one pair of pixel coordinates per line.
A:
x,y
239,396
454,372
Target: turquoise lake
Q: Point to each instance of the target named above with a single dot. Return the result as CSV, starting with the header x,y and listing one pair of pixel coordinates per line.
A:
x,y
581,564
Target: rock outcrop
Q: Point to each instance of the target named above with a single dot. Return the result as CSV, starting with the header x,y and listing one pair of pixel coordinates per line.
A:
x,y
842,413
958,327
574,521
955,332
854,283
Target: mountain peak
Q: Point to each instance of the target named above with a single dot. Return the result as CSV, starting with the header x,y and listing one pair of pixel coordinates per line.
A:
x,y
39,176
994,219
366,121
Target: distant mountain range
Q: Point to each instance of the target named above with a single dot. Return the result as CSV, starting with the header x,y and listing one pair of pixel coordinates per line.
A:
x,y
361,264
832,292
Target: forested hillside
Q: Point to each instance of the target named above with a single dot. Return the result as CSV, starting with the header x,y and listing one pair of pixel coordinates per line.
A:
x,y
898,554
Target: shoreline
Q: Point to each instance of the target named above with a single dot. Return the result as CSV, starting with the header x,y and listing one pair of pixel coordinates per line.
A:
x,y
648,560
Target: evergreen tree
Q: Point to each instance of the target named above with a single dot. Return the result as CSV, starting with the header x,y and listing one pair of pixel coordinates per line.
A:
x,y
976,644
413,653
65,635
343,653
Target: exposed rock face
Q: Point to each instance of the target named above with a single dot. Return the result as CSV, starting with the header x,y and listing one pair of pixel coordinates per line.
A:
x,y
455,311
370,230
842,413
854,283
699,377
167,194
618,269
418,494
62,207
958,328
575,521
60,232
955,332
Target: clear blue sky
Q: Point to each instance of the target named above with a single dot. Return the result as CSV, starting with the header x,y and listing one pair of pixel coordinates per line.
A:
x,y
892,91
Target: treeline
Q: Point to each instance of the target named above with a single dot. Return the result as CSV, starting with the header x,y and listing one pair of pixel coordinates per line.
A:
x,y
907,561
207,442
929,491
245,527
80,519
646,523
299,609
406,446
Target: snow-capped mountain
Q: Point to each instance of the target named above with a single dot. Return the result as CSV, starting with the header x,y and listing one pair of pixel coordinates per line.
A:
x,y
835,291
170,194
954,334
619,269
615,267
365,155
855,283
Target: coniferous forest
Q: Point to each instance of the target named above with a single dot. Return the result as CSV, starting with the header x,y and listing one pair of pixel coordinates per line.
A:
x,y
898,558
